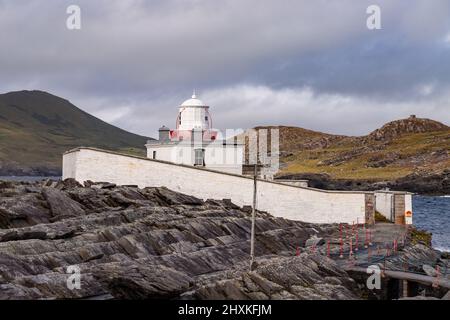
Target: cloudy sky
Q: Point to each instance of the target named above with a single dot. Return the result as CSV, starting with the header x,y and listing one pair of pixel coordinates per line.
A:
x,y
313,64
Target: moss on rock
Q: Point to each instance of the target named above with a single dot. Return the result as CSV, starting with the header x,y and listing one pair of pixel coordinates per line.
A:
x,y
420,236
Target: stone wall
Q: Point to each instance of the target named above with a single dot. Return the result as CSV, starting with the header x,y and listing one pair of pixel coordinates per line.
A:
x,y
370,209
290,202
399,209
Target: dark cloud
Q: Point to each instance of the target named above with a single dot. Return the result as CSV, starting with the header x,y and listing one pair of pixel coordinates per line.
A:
x,y
308,63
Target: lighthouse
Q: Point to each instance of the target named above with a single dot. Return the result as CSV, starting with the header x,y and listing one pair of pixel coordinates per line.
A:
x,y
194,142
193,117
193,113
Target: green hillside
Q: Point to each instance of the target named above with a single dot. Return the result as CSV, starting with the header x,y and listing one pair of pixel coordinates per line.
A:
x,y
36,128
398,149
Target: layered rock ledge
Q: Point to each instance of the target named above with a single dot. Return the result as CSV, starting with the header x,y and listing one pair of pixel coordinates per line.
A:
x,y
132,243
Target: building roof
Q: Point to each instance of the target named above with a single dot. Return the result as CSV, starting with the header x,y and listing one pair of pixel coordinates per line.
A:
x,y
193,102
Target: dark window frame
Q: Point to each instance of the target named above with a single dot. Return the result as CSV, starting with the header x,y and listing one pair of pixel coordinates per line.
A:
x,y
199,161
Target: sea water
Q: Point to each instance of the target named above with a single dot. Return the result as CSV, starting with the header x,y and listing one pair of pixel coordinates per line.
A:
x,y
433,214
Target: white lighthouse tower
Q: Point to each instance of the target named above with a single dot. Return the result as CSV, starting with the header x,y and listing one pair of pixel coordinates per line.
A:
x,y
193,114
193,118
194,141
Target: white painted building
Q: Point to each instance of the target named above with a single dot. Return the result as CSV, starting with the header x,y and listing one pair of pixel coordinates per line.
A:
x,y
281,200
190,159
194,141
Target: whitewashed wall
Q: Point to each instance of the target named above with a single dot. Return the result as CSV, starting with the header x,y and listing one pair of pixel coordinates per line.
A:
x,y
385,204
296,203
296,183
225,158
193,117
408,207
69,164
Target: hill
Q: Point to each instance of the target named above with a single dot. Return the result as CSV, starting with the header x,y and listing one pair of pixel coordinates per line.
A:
x,y
37,127
405,151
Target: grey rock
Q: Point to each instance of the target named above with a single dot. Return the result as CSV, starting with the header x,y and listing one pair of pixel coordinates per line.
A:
x,y
61,205
429,270
314,241
446,296
132,243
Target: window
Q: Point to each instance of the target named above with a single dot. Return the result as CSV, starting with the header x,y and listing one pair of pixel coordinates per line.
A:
x,y
206,118
199,157
154,155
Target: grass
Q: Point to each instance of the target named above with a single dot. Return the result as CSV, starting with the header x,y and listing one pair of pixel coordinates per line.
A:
x,y
353,169
420,236
406,147
380,218
36,128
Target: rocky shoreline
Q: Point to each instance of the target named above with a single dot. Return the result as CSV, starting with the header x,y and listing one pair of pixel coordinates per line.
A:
x,y
18,171
153,243
421,183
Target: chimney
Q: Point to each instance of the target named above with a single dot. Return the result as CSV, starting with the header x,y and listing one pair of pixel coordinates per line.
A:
x,y
164,134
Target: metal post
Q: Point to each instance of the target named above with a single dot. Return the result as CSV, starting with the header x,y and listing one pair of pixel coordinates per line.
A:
x,y
252,237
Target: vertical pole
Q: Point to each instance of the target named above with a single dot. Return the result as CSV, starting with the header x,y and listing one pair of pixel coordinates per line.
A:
x,y
252,239
405,288
350,254
366,245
